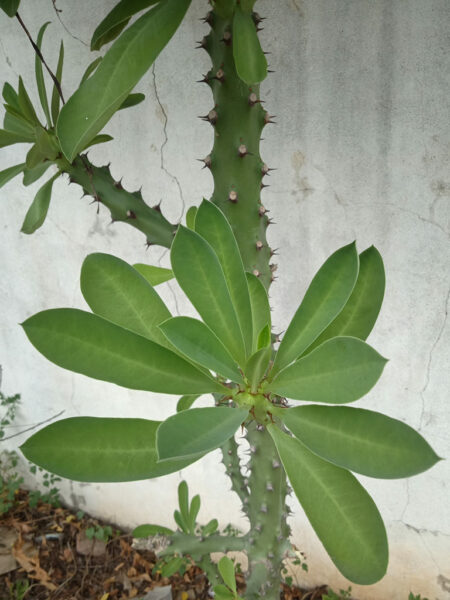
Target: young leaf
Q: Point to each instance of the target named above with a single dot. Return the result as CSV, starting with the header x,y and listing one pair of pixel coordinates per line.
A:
x,y
210,527
9,173
117,292
358,316
226,569
183,502
15,123
193,512
212,225
8,138
25,104
32,175
264,337
195,340
147,530
116,21
10,6
341,512
249,59
37,212
91,68
132,100
361,440
185,402
40,76
100,450
101,138
197,431
10,96
221,592
90,345
34,157
198,271
190,217
260,307
323,301
98,98
172,566
341,370
180,521
256,367
55,93
154,275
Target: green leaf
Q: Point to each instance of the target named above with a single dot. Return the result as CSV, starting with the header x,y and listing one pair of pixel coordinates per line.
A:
x,y
8,138
323,301
34,157
210,527
197,431
117,292
55,93
40,76
100,450
25,104
154,275
9,173
172,566
221,592
193,512
10,96
91,68
361,311
183,503
185,402
37,212
32,175
264,337
226,569
212,225
47,143
90,345
341,370
249,59
195,340
132,100
147,530
98,98
198,271
101,138
116,20
180,521
260,307
361,440
190,217
256,367
10,6
341,512
15,123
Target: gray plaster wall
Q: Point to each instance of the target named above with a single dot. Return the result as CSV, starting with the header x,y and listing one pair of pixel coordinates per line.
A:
x,y
361,95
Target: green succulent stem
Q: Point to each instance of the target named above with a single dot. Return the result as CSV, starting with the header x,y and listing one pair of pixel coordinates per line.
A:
x,y
232,464
127,207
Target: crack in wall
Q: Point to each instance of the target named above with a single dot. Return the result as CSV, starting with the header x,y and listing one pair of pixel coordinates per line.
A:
x,y
64,26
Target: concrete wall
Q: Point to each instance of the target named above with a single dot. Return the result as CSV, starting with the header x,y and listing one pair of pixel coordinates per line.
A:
x,y
362,151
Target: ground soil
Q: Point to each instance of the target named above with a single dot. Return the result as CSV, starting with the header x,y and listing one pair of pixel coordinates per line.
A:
x,y
57,562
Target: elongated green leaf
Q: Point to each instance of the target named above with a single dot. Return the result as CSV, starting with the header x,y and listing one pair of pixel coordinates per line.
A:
x,y
183,502
180,521
147,530
10,6
195,340
15,123
35,157
8,138
212,225
249,59
260,307
98,98
226,569
40,76
37,212
198,271
56,99
100,450
25,104
361,440
221,592
116,20
117,292
190,217
264,337
210,527
91,68
340,510
90,345
9,173
185,402
47,143
154,275
193,512
197,431
358,316
32,175
341,370
132,100
256,367
323,301
172,566
101,138
10,95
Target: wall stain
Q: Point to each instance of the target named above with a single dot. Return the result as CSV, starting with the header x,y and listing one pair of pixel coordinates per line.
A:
x,y
444,583
301,183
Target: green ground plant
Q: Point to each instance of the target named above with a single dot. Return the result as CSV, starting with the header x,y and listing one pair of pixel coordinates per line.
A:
x,y
222,262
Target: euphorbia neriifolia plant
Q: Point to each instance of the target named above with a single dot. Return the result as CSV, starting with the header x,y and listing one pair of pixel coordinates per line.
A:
x,y
220,259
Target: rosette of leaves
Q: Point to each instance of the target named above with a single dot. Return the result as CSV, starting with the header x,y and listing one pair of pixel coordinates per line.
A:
x,y
131,339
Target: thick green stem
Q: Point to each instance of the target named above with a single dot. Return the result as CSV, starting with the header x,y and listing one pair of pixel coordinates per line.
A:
x,y
184,543
232,464
128,207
